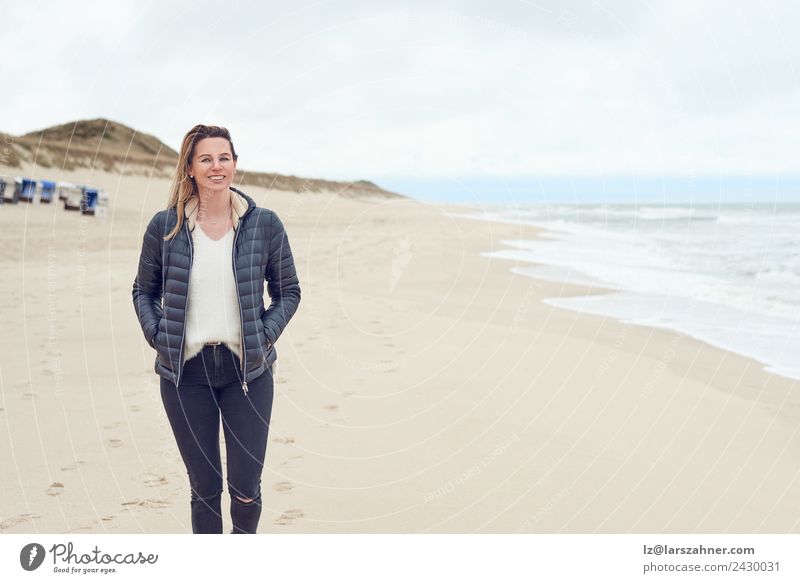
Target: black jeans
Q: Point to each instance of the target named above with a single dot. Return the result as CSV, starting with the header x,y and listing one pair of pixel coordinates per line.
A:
x,y
210,387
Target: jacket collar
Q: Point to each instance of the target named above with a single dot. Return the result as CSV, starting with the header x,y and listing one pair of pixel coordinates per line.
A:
x,y
240,206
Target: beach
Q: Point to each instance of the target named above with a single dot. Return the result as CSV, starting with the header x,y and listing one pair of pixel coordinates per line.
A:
x,y
422,387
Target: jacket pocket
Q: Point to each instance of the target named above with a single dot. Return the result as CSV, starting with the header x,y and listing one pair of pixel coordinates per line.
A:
x,y
158,344
263,339
151,340
157,332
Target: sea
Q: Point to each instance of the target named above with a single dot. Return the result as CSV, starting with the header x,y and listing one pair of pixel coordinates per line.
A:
x,y
728,275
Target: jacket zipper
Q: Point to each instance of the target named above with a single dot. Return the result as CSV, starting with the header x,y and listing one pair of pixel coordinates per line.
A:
x,y
186,303
241,314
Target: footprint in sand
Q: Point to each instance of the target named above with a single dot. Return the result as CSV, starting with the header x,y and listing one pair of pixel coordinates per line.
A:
x,y
331,407
284,440
108,518
72,466
85,528
112,425
350,393
151,480
28,396
135,408
289,516
55,489
283,487
115,442
146,503
15,520
289,463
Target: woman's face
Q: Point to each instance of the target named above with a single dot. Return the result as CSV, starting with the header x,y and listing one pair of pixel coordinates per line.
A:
x,y
213,165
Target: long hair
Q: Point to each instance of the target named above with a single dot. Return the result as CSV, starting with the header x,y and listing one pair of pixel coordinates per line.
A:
x,y
184,187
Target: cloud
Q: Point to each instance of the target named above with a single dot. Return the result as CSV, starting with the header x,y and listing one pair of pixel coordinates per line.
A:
x,y
352,89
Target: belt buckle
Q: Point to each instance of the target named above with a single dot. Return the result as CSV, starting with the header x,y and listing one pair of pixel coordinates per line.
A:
x,y
213,343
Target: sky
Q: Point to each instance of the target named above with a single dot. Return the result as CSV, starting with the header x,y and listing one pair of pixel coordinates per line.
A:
x,y
436,98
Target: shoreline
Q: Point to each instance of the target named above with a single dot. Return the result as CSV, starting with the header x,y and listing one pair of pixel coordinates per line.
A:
x,y
618,296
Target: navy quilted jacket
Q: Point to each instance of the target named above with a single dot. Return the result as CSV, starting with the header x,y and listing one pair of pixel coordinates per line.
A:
x,y
261,253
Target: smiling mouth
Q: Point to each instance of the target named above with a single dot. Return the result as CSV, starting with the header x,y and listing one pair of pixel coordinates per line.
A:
x,y
216,178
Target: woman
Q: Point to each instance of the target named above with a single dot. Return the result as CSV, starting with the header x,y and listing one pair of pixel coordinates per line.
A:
x,y
207,256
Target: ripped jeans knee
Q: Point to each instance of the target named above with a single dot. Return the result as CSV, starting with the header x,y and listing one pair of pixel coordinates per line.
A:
x,y
245,515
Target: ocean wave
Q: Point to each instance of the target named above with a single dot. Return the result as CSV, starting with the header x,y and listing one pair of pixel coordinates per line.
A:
x,y
671,213
779,277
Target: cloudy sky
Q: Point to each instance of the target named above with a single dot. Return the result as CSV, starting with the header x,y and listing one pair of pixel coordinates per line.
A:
x,y
432,92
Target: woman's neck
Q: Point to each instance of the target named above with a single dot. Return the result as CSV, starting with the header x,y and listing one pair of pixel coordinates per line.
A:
x,y
214,207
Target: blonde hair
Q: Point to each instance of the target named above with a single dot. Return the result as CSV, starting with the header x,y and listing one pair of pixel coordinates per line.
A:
x,y
183,186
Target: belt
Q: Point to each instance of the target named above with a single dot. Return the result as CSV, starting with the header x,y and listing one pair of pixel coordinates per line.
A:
x,y
213,343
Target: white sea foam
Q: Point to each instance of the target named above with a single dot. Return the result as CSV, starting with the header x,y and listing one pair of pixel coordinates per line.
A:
x,y
728,275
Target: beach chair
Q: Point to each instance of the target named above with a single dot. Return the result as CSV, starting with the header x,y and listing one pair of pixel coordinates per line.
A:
x,y
64,188
46,191
11,195
25,189
89,201
71,195
102,203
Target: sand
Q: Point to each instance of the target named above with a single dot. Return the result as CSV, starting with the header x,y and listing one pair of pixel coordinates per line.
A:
x,y
421,387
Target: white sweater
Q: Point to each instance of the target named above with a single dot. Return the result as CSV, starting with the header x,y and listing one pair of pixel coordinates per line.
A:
x,y
213,308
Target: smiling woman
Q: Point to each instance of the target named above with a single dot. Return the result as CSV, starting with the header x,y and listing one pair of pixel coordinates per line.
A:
x,y
213,165
199,297
212,169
